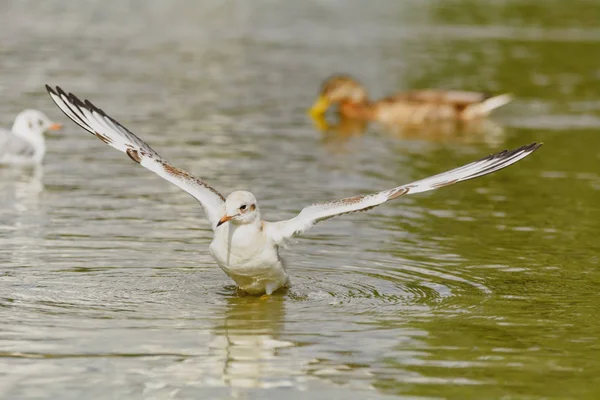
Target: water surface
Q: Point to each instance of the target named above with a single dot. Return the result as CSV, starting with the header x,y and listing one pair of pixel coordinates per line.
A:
x,y
487,289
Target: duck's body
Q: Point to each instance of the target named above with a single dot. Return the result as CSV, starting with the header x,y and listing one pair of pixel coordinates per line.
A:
x,y
413,107
24,144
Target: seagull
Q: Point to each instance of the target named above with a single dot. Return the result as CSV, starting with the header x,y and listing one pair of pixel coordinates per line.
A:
x,y
24,144
244,246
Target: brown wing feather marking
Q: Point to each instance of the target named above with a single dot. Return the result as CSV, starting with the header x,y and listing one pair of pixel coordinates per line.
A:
x,y
347,201
183,174
134,155
442,184
350,200
104,138
344,202
175,171
398,193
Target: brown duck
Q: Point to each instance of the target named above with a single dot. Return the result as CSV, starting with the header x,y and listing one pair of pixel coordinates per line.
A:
x,y
414,107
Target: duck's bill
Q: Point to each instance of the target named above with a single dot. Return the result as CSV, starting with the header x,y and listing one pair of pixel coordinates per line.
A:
x,y
320,122
55,127
320,106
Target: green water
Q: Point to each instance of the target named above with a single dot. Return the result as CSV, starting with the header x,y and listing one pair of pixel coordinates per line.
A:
x,y
486,289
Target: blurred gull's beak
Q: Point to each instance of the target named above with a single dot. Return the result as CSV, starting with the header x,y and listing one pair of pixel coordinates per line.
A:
x,y
55,127
224,219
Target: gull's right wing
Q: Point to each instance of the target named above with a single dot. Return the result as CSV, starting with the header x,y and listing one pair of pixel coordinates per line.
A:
x,y
95,121
309,216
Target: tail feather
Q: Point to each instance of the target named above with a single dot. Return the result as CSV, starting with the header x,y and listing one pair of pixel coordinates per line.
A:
x,y
485,107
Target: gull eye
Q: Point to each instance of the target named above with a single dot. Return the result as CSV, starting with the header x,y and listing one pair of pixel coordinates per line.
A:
x,y
243,207
40,122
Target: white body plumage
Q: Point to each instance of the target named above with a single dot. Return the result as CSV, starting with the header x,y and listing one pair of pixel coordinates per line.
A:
x,y
249,256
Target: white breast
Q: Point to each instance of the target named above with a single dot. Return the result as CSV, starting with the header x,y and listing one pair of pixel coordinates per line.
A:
x,y
18,150
249,257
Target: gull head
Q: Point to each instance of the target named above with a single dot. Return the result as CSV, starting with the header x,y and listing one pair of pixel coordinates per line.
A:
x,y
240,208
30,122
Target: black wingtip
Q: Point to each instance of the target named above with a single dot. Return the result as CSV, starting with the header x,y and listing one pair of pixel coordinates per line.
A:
x,y
60,91
52,91
528,148
505,156
533,145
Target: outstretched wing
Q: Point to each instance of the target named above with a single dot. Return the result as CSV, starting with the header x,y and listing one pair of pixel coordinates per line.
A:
x,y
310,215
95,121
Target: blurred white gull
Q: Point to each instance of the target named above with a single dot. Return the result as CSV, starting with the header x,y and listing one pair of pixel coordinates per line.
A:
x,y
245,246
24,144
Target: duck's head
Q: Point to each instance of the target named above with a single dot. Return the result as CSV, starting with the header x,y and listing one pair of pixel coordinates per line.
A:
x,y
240,208
338,89
33,122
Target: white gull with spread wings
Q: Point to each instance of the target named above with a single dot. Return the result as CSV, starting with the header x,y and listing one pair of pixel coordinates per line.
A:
x,y
245,246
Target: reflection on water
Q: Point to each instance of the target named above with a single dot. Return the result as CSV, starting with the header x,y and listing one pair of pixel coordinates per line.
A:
x,y
21,197
247,348
476,131
486,289
21,187
242,351
337,135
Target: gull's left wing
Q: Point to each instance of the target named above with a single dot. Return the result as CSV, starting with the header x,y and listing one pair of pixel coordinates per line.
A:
x,y
98,123
309,216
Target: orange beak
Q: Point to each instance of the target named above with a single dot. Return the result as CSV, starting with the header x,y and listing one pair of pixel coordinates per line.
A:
x,y
224,219
55,127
